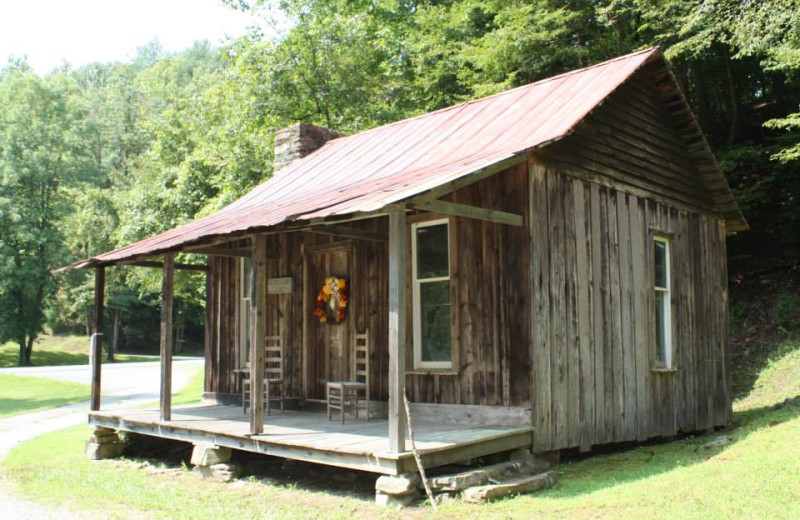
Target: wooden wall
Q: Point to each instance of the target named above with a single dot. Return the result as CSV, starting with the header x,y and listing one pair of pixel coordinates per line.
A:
x,y
490,298
630,142
593,316
490,304
286,313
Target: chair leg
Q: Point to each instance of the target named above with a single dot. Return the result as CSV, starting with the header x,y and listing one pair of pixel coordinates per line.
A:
x,y
245,388
267,396
282,392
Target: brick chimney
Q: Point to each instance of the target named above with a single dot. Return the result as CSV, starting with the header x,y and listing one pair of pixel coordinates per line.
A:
x,y
299,140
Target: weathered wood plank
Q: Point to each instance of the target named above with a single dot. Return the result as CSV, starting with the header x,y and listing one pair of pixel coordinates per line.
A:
x,y
540,310
587,387
603,431
397,329
474,212
628,325
572,331
258,331
558,315
640,317
167,290
97,342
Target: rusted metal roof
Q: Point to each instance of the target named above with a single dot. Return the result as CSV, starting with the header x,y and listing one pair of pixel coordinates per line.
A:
x,y
389,164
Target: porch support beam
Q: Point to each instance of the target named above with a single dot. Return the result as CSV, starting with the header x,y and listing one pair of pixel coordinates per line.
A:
x,y
397,329
258,331
168,289
472,178
474,212
160,265
348,232
97,337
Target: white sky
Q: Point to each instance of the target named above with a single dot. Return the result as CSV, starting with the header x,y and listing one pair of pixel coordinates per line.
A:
x,y
50,32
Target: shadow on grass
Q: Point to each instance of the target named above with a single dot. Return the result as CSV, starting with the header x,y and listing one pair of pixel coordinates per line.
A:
x,y
621,464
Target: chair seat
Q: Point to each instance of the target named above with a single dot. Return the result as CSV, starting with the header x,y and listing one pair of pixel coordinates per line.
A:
x,y
344,396
268,384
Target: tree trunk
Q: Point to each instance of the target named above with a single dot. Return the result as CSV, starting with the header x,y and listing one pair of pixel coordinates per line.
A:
x,y
21,342
734,102
29,349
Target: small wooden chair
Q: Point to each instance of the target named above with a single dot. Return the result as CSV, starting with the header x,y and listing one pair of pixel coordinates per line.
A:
x,y
274,383
345,396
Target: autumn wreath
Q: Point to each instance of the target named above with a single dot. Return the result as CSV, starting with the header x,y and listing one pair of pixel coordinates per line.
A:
x,y
331,303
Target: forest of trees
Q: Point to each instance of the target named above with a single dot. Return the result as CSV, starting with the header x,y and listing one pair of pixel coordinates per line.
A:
x,y
95,157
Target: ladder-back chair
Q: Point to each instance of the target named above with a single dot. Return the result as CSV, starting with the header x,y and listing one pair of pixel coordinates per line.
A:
x,y
274,383
345,396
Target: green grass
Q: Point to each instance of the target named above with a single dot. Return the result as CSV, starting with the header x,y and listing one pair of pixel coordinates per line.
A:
x,y
50,350
757,475
22,394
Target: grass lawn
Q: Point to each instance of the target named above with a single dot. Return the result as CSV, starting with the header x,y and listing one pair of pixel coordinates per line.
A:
x,y
757,475
22,394
52,350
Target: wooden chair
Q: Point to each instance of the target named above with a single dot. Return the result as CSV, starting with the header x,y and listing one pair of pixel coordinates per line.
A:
x,y
345,396
273,383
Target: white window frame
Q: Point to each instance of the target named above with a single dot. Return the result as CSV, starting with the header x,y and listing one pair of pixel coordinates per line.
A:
x,y
244,310
417,307
664,348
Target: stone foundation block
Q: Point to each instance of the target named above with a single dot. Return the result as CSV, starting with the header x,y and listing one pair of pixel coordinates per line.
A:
x,y
208,455
98,451
403,484
222,472
513,487
396,501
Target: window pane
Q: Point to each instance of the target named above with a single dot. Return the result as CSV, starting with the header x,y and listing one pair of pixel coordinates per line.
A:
x,y
661,325
435,317
432,258
660,254
246,278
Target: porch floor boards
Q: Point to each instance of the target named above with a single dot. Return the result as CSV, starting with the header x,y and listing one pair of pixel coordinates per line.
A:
x,y
309,436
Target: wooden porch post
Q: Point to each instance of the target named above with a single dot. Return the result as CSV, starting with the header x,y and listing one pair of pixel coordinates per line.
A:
x,y
258,331
397,329
97,338
166,336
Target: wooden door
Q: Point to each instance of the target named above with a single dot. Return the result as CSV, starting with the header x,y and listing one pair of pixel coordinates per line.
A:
x,y
327,345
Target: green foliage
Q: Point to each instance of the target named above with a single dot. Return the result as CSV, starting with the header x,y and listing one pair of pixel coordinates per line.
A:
x,y
40,153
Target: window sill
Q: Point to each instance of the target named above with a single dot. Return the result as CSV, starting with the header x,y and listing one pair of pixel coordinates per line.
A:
x,y
664,370
431,372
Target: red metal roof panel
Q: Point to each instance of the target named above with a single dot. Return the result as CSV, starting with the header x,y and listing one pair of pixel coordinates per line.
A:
x,y
384,165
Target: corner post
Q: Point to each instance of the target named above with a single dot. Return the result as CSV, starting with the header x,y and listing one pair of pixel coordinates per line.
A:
x,y
258,331
168,285
397,328
97,337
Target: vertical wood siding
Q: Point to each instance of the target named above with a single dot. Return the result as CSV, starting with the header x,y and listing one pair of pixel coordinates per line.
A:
x,y
593,316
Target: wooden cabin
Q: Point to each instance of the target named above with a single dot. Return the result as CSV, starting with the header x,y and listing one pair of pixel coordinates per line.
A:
x,y
544,268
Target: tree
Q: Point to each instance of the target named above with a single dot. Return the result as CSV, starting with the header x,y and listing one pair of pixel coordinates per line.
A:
x,y
39,152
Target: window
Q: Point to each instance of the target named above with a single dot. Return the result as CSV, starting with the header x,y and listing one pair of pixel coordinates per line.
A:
x,y
430,254
663,306
244,313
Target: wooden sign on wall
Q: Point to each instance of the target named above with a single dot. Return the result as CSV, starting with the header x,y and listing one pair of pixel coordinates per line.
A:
x,y
280,285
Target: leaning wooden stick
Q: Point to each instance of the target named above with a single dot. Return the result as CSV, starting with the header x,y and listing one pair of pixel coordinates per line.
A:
x,y
416,453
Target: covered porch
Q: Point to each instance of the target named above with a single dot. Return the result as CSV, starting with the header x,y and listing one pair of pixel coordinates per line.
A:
x,y
310,437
